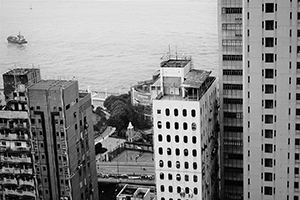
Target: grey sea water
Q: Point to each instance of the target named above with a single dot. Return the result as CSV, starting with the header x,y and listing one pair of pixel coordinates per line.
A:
x,y
107,44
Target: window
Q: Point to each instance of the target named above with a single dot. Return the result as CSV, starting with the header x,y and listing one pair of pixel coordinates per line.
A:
x,y
177,164
186,165
298,96
268,148
269,24
161,176
231,10
195,178
170,177
297,127
184,112
296,170
170,189
160,150
186,178
193,113
194,153
296,185
232,72
161,163
194,165
168,138
178,177
232,86
160,137
194,139
268,162
268,119
232,57
297,141
269,57
177,152
175,112
268,176
176,125
158,111
268,190
169,151
269,73
269,89
169,164
298,81
186,152
269,7
296,156
167,111
162,188
268,104
185,139
185,126
193,126
168,125
159,124
176,138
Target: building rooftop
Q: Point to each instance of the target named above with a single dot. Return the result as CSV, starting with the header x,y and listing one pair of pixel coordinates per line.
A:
x,y
180,63
195,78
20,71
52,84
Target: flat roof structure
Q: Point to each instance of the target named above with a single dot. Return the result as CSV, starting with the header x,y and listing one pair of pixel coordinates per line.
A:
x,y
51,84
20,71
195,78
175,63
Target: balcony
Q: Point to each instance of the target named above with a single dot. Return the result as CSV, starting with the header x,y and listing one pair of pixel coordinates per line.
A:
x,y
11,192
20,149
10,181
28,193
8,170
26,182
15,159
26,171
12,136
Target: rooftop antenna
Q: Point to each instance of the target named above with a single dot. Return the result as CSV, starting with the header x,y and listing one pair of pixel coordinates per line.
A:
x,y
176,51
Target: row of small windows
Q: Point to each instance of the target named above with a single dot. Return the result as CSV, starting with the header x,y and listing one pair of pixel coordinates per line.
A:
x,y
185,138
232,57
177,164
231,10
232,72
232,26
232,42
179,190
176,112
232,86
232,101
176,125
237,115
178,177
177,152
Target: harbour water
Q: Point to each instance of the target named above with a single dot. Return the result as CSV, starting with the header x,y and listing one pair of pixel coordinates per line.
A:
x,y
107,44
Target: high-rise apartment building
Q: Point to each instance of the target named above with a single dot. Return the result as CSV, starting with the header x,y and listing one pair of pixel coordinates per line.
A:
x,y
271,99
17,178
51,122
231,98
185,131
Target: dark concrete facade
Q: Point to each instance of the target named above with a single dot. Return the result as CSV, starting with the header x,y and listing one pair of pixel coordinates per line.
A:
x,y
61,124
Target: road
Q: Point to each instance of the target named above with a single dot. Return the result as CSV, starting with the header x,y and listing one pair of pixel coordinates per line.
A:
x,y
108,131
125,168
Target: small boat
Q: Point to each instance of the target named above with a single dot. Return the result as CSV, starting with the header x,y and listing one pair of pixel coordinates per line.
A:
x,y
17,40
